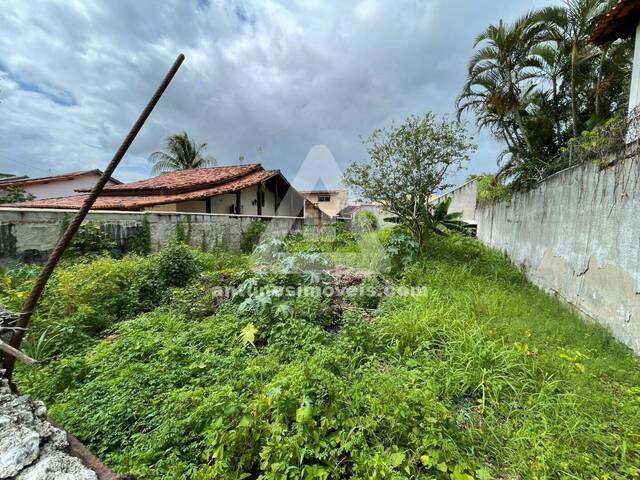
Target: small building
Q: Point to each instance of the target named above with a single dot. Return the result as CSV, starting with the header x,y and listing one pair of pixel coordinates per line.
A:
x,y
234,189
623,21
55,185
330,202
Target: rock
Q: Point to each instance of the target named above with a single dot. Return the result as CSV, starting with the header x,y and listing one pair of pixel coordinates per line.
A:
x,y
31,447
57,466
19,448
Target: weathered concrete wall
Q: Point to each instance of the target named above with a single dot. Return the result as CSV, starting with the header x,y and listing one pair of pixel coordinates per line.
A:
x,y
463,200
578,235
31,234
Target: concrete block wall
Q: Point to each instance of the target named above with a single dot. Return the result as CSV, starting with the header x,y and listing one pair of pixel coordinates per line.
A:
x,y
31,234
578,235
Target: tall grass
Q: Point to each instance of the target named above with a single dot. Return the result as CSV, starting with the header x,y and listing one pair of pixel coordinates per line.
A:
x,y
480,376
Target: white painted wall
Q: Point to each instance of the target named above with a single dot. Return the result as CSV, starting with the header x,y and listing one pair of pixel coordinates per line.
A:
x,y
63,188
463,200
221,203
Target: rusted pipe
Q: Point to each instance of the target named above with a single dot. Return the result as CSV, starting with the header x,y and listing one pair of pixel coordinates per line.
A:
x,y
45,273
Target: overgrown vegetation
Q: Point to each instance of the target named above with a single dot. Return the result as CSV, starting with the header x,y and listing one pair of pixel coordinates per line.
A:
x,y
478,375
252,236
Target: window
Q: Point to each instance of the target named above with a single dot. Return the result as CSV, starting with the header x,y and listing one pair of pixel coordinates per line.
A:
x,y
324,198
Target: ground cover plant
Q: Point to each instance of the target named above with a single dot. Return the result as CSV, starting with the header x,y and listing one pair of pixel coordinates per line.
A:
x,y
478,375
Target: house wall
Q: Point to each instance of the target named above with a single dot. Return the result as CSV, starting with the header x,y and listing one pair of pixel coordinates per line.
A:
x,y
63,188
578,235
30,234
463,200
339,200
222,203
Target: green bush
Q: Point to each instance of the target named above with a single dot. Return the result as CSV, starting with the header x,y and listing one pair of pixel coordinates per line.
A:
x,y
491,190
401,249
366,221
176,265
252,236
140,242
90,241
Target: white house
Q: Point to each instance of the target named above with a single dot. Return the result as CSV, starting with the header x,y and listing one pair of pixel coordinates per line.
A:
x,y
246,189
56,185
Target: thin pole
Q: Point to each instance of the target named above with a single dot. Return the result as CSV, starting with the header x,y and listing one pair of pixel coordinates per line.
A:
x,y
45,273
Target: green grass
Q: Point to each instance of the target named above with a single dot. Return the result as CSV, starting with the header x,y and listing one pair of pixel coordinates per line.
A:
x,y
482,376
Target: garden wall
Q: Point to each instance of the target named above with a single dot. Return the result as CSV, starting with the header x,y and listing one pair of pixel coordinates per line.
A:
x,y
578,235
31,234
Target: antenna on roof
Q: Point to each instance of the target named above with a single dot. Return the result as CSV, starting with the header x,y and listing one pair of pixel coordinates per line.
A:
x,y
241,159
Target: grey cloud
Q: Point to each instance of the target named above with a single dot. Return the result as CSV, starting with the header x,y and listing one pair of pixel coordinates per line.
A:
x,y
263,79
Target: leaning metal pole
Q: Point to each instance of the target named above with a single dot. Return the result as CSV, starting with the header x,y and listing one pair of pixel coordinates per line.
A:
x,y
32,300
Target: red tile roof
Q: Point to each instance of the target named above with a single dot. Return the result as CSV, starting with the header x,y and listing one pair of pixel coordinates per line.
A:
x,y
620,22
183,180
135,199
26,181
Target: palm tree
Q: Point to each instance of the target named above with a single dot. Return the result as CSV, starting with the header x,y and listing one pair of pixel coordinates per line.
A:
x,y
500,77
180,153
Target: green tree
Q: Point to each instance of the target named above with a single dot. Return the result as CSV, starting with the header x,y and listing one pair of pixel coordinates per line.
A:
x,y
14,195
499,78
407,164
180,153
539,82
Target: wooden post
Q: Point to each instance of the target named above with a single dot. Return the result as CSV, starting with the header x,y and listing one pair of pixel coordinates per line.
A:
x,y
259,195
45,273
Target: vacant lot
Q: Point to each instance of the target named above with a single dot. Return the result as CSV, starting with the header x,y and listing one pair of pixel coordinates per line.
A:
x,y
480,375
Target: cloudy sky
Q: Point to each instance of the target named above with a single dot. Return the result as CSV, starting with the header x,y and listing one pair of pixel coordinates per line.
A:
x,y
264,79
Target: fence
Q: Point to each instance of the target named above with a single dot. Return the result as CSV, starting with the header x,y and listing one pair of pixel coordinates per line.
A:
x,y
30,234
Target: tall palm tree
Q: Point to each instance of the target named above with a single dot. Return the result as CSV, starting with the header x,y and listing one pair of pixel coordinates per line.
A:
x,y
501,72
571,27
180,153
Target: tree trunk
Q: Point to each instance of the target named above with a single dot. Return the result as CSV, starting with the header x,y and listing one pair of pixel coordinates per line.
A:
x,y
599,82
574,111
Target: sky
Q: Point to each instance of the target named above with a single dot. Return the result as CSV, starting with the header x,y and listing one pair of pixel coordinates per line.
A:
x,y
269,81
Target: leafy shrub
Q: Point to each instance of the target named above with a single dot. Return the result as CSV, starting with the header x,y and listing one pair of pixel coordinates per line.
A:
x,y
14,195
366,221
90,241
140,242
400,248
491,190
252,236
343,236
367,294
176,265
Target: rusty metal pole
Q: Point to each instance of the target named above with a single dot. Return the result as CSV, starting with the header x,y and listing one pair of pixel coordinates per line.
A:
x,y
45,273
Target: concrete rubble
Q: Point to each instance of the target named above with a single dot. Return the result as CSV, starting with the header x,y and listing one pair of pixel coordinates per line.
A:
x,y
31,448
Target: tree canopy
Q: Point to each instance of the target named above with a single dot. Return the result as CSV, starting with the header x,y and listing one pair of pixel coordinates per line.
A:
x,y
407,164
538,82
180,153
